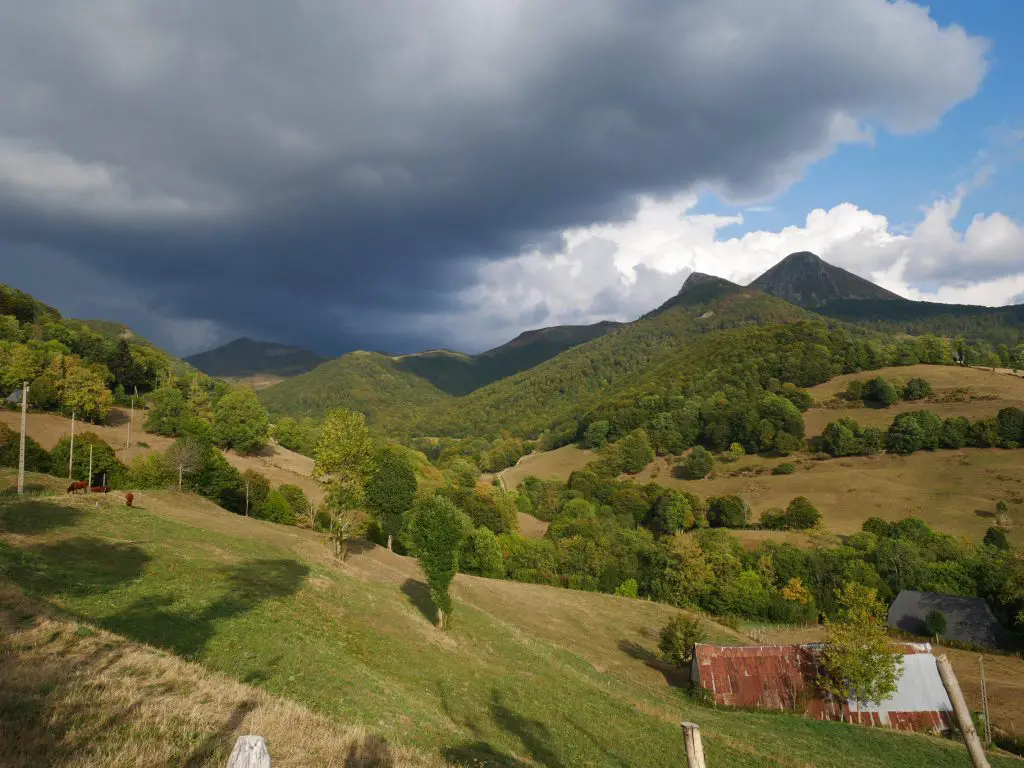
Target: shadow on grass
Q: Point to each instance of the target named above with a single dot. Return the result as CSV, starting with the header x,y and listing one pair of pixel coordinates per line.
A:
x,y
533,734
480,754
75,567
223,737
419,595
34,517
674,676
155,620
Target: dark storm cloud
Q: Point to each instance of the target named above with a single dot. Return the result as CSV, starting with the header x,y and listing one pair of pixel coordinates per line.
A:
x,y
327,172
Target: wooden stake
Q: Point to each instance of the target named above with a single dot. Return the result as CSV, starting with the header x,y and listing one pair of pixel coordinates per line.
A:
x,y
71,452
21,449
694,746
249,752
963,714
984,703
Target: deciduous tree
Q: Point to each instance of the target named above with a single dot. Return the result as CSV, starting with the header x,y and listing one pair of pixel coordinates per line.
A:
x,y
857,659
439,529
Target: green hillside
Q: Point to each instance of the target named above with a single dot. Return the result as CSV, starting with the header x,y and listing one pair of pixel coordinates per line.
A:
x,y
363,381
527,675
560,390
459,374
247,357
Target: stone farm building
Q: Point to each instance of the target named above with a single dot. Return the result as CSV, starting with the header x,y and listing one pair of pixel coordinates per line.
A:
x,y
969,620
785,677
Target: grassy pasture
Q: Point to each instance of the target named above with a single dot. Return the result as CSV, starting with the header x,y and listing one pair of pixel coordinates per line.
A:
x,y
557,464
989,391
527,675
953,491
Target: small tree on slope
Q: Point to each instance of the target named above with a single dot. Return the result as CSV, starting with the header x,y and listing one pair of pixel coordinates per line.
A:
x,y
858,662
439,529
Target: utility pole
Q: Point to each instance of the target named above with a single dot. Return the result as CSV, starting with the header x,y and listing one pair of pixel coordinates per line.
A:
x,y
71,453
21,450
128,442
246,498
90,466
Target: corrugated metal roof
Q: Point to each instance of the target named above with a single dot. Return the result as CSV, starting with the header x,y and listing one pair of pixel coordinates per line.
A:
x,y
785,677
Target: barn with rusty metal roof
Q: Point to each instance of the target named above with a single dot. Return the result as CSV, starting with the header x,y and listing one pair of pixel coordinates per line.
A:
x,y
785,677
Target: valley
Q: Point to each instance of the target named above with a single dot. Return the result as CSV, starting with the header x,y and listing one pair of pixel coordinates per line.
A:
x,y
566,459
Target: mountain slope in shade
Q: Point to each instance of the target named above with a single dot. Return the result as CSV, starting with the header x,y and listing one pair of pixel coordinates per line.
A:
x,y
459,374
807,281
248,357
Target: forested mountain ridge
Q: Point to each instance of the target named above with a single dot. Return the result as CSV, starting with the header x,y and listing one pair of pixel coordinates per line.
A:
x,y
551,395
460,374
247,357
369,382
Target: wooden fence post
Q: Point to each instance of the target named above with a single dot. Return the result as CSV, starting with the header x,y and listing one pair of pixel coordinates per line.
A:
x,y
249,752
694,746
963,714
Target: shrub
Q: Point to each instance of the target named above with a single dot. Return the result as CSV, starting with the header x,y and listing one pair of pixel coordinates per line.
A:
x,y
636,451
276,509
917,389
728,512
596,434
698,464
678,638
801,514
934,623
881,391
628,588
735,452
784,469
996,537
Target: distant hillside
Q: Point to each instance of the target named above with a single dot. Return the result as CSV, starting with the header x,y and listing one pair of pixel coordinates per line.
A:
x,y
579,379
248,357
808,281
996,325
459,374
363,381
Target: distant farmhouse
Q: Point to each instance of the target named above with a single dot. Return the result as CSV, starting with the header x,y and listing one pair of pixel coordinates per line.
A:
x,y
785,677
969,620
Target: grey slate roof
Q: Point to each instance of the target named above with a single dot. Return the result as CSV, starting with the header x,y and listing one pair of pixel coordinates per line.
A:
x,y
968,619
14,398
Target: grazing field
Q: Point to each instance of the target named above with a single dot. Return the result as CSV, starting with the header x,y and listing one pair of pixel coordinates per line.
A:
x,y
989,391
527,675
74,695
557,464
953,491
280,465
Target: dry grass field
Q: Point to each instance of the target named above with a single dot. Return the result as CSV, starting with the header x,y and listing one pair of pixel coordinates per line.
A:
x,y
557,464
989,391
953,491
73,695
279,464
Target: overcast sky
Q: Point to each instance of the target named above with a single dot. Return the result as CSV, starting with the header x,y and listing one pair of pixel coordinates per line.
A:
x,y
406,174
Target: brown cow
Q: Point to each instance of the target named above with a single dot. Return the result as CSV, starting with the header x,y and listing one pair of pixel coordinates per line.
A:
x,y
78,485
129,498
100,489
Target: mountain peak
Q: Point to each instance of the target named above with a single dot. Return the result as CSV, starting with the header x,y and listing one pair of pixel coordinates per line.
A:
x,y
246,357
807,280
